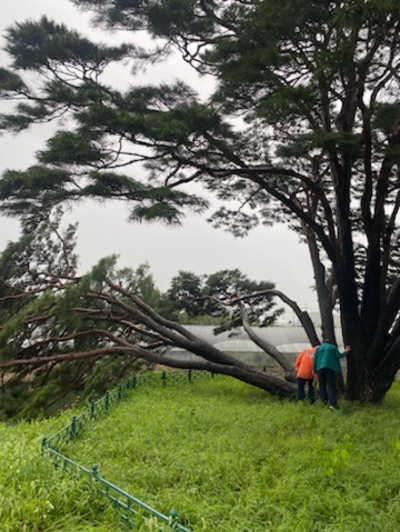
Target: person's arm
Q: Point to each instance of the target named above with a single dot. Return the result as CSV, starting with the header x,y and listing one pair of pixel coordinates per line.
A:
x,y
346,351
298,360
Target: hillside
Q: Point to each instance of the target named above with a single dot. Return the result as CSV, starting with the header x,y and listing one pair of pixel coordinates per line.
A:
x,y
227,456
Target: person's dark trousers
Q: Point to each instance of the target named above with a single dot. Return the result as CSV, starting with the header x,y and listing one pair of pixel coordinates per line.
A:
x,y
327,386
301,383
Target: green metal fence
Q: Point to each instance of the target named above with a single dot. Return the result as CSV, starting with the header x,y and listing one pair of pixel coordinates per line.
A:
x,y
54,448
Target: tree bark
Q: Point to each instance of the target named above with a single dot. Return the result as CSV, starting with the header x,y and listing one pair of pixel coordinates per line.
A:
x,y
268,348
243,372
324,292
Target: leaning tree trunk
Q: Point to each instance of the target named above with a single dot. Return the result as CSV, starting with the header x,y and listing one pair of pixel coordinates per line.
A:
x,y
233,368
210,358
284,363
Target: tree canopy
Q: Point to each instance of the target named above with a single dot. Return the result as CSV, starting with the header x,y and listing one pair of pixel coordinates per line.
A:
x,y
37,277
206,299
303,127
66,337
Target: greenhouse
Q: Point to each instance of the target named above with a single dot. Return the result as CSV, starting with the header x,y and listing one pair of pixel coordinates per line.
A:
x,y
290,340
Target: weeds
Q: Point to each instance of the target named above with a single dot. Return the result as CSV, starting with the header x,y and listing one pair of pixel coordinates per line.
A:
x,y
229,457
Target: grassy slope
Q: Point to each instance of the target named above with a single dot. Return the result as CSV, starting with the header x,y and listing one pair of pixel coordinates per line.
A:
x,y
34,497
229,457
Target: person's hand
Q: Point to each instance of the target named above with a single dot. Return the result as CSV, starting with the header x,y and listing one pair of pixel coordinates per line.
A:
x,y
347,348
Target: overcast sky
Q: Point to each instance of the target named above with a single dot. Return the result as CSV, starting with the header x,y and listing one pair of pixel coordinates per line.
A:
x,y
271,253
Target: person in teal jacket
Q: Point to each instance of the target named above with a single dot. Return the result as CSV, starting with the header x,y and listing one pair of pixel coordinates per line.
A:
x,y
326,365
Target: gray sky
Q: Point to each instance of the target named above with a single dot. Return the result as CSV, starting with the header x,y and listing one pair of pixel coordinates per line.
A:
x,y
271,253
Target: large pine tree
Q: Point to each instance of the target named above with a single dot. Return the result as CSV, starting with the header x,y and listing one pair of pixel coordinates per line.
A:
x,y
303,127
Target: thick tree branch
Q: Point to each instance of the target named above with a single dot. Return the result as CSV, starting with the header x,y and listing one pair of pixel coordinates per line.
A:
x,y
40,361
268,348
303,316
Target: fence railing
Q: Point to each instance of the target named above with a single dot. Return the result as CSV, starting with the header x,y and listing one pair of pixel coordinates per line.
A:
x,y
53,448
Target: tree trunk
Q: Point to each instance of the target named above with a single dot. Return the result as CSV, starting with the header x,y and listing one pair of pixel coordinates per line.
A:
x,y
286,365
240,371
262,380
369,387
324,291
366,381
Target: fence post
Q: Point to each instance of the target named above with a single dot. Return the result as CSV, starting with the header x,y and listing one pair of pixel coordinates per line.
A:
x,y
44,446
119,393
107,400
92,408
190,375
95,472
133,382
164,378
173,519
73,428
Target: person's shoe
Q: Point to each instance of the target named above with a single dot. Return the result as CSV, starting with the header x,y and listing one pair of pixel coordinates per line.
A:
x,y
333,407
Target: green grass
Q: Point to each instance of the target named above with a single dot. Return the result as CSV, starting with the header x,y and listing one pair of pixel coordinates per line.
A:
x,y
227,456
34,497
231,458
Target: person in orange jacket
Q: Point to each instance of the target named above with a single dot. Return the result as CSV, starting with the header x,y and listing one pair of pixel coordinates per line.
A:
x,y
304,366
